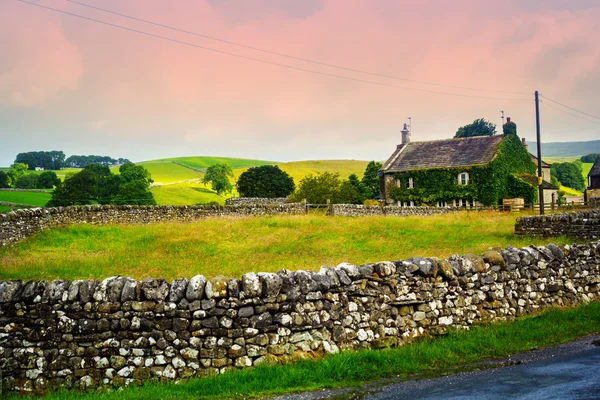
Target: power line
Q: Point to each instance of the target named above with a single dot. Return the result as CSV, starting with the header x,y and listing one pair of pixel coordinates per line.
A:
x,y
571,108
566,112
287,55
261,60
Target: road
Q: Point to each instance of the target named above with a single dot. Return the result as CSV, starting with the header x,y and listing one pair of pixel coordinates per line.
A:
x,y
568,371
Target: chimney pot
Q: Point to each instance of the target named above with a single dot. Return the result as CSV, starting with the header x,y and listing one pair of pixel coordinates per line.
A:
x,y
507,120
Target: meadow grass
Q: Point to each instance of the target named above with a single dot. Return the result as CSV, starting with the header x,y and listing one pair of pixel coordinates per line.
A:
x,y
202,162
426,356
233,246
29,198
4,209
185,194
163,172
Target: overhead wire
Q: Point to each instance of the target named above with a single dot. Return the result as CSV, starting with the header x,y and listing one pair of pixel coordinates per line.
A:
x,y
567,112
287,55
570,108
261,60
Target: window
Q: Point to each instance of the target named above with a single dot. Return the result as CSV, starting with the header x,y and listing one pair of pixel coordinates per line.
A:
x,y
463,202
441,204
411,183
463,178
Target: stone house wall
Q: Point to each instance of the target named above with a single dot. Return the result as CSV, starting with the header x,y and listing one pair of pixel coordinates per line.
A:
x,y
119,331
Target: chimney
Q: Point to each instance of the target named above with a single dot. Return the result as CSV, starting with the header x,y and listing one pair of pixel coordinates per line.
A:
x,y
508,120
405,135
524,144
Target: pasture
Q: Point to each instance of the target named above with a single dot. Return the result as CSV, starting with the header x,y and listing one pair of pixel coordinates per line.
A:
x,y
234,246
29,198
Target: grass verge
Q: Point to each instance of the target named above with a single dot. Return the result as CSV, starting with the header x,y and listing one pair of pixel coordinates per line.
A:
x,y
354,368
29,198
234,246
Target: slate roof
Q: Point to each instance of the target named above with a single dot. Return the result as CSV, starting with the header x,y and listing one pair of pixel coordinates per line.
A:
x,y
533,181
449,153
544,163
595,171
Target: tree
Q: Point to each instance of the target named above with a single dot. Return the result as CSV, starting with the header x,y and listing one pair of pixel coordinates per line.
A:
x,y
3,180
29,181
317,189
47,180
370,179
130,172
479,127
77,189
134,192
569,174
265,181
218,176
43,159
590,158
16,171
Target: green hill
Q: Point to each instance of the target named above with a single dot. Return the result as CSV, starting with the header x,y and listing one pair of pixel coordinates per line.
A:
x,y
566,149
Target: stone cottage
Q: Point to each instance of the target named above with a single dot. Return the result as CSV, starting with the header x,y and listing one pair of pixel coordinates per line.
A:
x,y
592,193
463,172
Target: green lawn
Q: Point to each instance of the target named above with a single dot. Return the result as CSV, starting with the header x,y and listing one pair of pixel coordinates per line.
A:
x,y
234,246
29,198
427,356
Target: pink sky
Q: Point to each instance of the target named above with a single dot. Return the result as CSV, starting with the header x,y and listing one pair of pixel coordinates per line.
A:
x,y
87,88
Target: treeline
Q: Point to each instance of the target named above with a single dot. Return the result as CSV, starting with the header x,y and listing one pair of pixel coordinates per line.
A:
x,y
590,158
83,161
270,181
97,184
55,160
42,159
16,177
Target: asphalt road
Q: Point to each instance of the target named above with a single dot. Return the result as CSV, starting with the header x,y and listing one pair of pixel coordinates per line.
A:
x,y
568,371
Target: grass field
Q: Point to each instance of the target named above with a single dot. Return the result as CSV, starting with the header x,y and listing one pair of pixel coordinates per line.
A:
x,y
29,198
234,246
427,356
4,209
185,194
164,172
205,162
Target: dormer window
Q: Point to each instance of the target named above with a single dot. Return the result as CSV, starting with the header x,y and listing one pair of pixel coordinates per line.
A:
x,y
463,178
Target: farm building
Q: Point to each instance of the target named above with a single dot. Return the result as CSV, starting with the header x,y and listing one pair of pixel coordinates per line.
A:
x,y
592,192
466,172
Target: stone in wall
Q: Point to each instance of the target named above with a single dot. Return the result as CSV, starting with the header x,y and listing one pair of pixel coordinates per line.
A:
x,y
89,334
357,210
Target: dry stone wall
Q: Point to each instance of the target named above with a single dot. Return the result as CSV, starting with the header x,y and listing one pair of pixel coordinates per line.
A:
x,y
580,225
354,210
18,225
232,201
98,334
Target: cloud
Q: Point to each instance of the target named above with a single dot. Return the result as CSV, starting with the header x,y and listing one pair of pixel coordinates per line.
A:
x,y
38,63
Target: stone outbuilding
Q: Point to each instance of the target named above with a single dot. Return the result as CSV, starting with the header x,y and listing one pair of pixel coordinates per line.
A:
x,y
592,193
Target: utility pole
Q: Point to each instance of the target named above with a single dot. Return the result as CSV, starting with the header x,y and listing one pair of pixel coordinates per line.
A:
x,y
539,152
502,111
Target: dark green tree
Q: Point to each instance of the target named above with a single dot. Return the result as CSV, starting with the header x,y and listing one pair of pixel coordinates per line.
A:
x,y
479,127
47,180
77,189
590,158
265,181
98,169
134,192
370,179
317,189
131,172
569,174
29,181
3,180
218,175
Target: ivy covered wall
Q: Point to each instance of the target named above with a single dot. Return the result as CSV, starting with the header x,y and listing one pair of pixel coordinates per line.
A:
x,y
488,184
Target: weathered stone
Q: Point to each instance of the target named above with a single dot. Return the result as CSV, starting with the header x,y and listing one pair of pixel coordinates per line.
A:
x,y
251,285
216,287
195,288
155,289
493,258
178,290
384,268
271,284
129,291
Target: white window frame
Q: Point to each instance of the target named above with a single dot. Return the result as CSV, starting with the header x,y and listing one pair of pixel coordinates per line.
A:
x,y
460,179
411,183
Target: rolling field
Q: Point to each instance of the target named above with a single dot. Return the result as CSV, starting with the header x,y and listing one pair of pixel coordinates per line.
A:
x,y
185,194
205,162
29,198
233,246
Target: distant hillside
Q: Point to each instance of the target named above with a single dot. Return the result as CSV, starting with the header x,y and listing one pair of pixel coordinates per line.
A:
x,y
566,149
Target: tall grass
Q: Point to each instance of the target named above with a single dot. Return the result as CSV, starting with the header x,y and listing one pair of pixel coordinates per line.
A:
x,y
234,246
